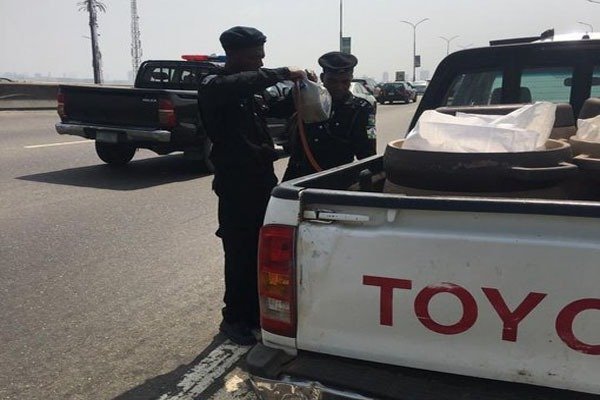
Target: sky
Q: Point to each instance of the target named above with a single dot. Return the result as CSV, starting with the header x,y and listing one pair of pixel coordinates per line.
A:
x,y
47,36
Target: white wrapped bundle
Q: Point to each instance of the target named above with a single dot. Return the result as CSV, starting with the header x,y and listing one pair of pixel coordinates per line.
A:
x,y
315,101
525,129
589,129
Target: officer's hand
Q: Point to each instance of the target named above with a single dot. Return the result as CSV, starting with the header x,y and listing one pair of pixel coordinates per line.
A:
x,y
297,74
268,153
311,75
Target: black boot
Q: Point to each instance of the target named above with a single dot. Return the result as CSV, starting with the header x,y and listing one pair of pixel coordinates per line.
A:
x,y
238,332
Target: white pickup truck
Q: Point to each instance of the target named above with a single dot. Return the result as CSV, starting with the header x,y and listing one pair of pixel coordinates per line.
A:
x,y
373,295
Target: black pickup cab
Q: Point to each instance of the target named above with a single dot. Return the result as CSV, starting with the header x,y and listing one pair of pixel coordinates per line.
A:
x,y
159,113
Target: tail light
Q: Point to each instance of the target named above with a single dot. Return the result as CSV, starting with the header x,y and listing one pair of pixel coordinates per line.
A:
x,y
60,100
166,114
276,280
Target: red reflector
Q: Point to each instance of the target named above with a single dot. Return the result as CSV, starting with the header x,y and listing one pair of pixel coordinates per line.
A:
x,y
60,108
276,280
166,114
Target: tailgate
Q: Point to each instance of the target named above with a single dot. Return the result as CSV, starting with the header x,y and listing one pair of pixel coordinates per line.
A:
x,y
114,106
501,290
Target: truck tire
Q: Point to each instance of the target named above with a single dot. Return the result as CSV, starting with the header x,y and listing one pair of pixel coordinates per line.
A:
x,y
115,154
206,149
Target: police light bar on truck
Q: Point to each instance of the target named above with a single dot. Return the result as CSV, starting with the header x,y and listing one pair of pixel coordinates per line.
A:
x,y
202,57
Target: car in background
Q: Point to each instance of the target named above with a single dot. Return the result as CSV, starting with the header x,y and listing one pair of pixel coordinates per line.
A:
x,y
359,90
420,87
397,91
368,83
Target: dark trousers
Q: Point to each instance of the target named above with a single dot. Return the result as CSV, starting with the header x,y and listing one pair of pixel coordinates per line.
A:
x,y
241,214
295,170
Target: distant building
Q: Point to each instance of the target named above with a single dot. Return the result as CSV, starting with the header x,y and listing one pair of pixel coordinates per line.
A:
x,y
424,75
386,77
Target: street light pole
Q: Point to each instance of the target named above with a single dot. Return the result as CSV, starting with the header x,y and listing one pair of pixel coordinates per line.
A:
x,y
590,26
448,42
341,23
414,26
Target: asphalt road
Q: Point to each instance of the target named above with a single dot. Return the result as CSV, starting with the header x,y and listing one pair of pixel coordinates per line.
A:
x,y
110,280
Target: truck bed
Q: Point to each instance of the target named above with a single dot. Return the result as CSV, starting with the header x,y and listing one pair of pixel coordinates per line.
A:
x,y
113,105
368,177
431,279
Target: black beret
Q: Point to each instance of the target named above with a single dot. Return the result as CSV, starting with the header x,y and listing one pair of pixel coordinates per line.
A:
x,y
337,62
241,37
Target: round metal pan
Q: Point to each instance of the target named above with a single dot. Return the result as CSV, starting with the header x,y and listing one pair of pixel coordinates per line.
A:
x,y
586,157
475,172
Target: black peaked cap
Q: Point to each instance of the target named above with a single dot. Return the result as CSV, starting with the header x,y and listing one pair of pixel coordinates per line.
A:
x,y
337,62
242,37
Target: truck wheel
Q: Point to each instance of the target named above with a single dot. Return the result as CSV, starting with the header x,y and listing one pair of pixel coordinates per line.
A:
x,y
115,154
206,149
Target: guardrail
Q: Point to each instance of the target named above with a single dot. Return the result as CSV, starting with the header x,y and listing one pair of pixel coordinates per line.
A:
x,y
28,96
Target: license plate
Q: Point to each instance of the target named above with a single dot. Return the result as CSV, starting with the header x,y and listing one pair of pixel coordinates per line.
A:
x,y
107,137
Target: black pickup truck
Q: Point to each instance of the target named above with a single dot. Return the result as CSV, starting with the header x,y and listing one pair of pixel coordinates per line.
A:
x,y
159,113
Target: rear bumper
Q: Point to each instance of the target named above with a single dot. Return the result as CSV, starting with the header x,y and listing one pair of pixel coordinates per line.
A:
x,y
267,389
311,376
270,380
124,134
395,97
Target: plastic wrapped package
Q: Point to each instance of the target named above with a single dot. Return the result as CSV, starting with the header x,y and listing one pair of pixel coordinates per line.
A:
x,y
589,129
315,102
525,129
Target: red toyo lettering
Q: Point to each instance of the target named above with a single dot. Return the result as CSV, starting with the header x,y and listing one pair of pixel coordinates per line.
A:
x,y
468,303
386,297
564,325
512,319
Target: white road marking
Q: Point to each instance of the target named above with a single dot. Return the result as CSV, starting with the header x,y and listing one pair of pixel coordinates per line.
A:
x,y
212,367
38,146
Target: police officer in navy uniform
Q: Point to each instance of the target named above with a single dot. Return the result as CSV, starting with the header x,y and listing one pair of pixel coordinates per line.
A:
x,y
233,112
349,132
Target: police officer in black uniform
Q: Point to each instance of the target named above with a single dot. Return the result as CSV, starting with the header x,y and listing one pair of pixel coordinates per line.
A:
x,y
233,111
349,132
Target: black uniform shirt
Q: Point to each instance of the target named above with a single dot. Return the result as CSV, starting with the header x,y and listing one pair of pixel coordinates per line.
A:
x,y
233,112
349,132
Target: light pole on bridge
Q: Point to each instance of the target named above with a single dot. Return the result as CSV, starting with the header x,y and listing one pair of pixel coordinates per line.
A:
x,y
590,26
414,26
448,40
